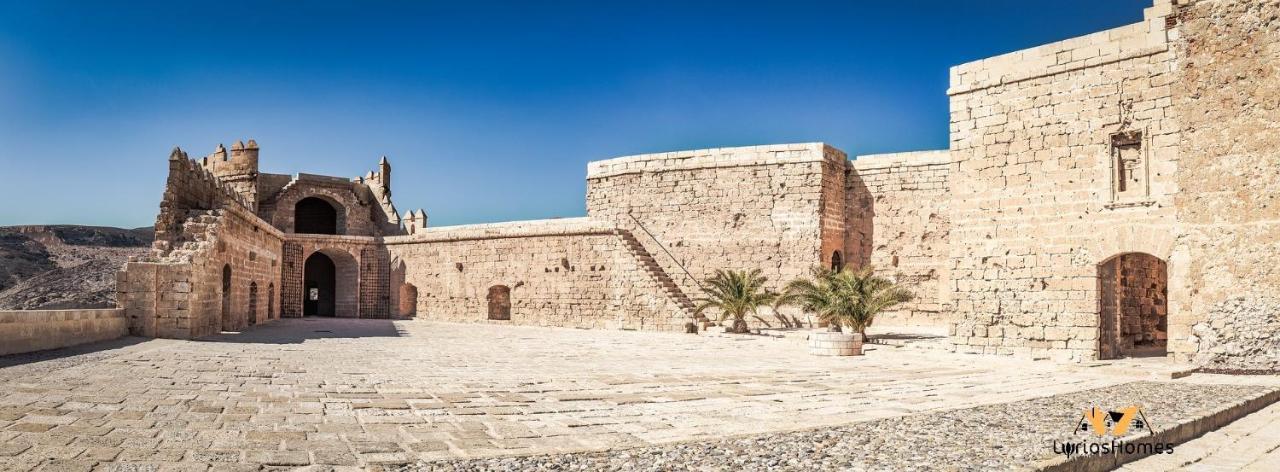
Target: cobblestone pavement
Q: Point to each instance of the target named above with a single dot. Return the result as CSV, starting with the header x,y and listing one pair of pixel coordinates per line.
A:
x,y
367,392
1251,443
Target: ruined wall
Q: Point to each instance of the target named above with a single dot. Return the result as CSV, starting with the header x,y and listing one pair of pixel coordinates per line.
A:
x,y
1064,156
897,206
203,226
574,272
777,208
1229,210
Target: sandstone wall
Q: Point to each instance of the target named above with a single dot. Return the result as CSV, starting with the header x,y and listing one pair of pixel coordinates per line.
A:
x,y
1064,156
357,212
1228,100
574,272
362,274
38,330
777,208
897,206
203,228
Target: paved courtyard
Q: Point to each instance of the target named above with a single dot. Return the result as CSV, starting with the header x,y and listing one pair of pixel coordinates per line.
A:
x,y
365,392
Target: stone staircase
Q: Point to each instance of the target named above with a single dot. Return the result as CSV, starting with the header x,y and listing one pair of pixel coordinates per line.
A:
x,y
655,271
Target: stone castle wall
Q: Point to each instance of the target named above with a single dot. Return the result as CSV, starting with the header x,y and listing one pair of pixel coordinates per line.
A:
x,y
897,207
727,208
1227,292
38,330
203,226
362,267
570,272
1064,156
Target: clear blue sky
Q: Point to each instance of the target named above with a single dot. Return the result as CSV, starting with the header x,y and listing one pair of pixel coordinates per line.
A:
x,y
488,111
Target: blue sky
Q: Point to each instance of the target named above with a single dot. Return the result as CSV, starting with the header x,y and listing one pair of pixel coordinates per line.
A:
x,y
488,111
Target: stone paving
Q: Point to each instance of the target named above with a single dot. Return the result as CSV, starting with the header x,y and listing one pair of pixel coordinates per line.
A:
x,y
1251,443
366,392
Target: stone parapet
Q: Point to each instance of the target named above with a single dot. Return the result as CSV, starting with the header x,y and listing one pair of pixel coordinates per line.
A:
x,y
771,154
38,330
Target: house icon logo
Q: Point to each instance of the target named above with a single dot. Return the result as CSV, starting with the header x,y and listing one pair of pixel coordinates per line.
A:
x,y
1128,420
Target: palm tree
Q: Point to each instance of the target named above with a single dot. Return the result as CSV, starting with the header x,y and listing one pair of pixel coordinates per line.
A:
x,y
736,294
847,297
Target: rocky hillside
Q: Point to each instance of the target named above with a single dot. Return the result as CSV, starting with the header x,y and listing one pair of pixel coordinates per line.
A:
x,y
64,266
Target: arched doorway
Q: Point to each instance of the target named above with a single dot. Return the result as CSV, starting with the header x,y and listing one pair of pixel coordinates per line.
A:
x,y
499,302
271,301
253,303
225,322
319,284
1133,291
837,261
408,300
313,215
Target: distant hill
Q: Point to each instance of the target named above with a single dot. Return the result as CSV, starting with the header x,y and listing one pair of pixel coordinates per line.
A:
x,y
65,266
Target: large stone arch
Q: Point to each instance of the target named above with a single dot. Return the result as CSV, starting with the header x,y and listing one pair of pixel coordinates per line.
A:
x,y
319,215
1121,239
345,283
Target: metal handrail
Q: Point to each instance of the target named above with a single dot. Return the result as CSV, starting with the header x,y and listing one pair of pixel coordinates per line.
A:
x,y
664,249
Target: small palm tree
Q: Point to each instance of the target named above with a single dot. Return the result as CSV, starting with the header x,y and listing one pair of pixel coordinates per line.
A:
x,y
847,297
736,294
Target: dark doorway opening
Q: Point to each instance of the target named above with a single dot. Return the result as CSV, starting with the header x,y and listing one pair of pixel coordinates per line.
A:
x,y
253,303
226,298
837,261
499,302
315,216
319,286
271,301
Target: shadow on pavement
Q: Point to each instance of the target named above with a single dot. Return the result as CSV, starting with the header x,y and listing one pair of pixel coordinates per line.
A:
x,y
299,330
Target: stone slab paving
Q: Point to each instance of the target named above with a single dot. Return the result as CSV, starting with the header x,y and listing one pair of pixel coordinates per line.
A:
x,y
1008,436
1251,443
359,393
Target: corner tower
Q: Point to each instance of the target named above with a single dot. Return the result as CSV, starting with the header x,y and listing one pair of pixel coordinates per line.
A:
x,y
238,170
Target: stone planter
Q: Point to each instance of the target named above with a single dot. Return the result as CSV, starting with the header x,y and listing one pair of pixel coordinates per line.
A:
x,y
835,344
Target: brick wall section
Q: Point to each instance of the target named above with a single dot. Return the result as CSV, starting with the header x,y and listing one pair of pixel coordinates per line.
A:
x,y
291,280
1229,208
1034,209
572,272
361,264
727,208
203,226
899,209
38,330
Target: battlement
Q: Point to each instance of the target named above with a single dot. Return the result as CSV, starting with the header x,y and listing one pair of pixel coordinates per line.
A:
x,y
240,163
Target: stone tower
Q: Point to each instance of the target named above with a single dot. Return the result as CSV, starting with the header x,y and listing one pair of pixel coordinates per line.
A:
x,y
238,170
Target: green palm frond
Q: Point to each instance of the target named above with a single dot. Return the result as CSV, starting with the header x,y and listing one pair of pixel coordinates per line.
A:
x,y
848,297
735,293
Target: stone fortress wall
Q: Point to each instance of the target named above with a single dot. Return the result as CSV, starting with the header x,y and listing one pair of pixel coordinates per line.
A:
x,y
1037,138
897,212
755,207
1100,196
1225,296
575,272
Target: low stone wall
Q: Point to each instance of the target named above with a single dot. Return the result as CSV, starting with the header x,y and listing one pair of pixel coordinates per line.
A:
x,y
38,330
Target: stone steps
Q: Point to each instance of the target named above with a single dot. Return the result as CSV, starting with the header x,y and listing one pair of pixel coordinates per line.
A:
x,y
650,266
